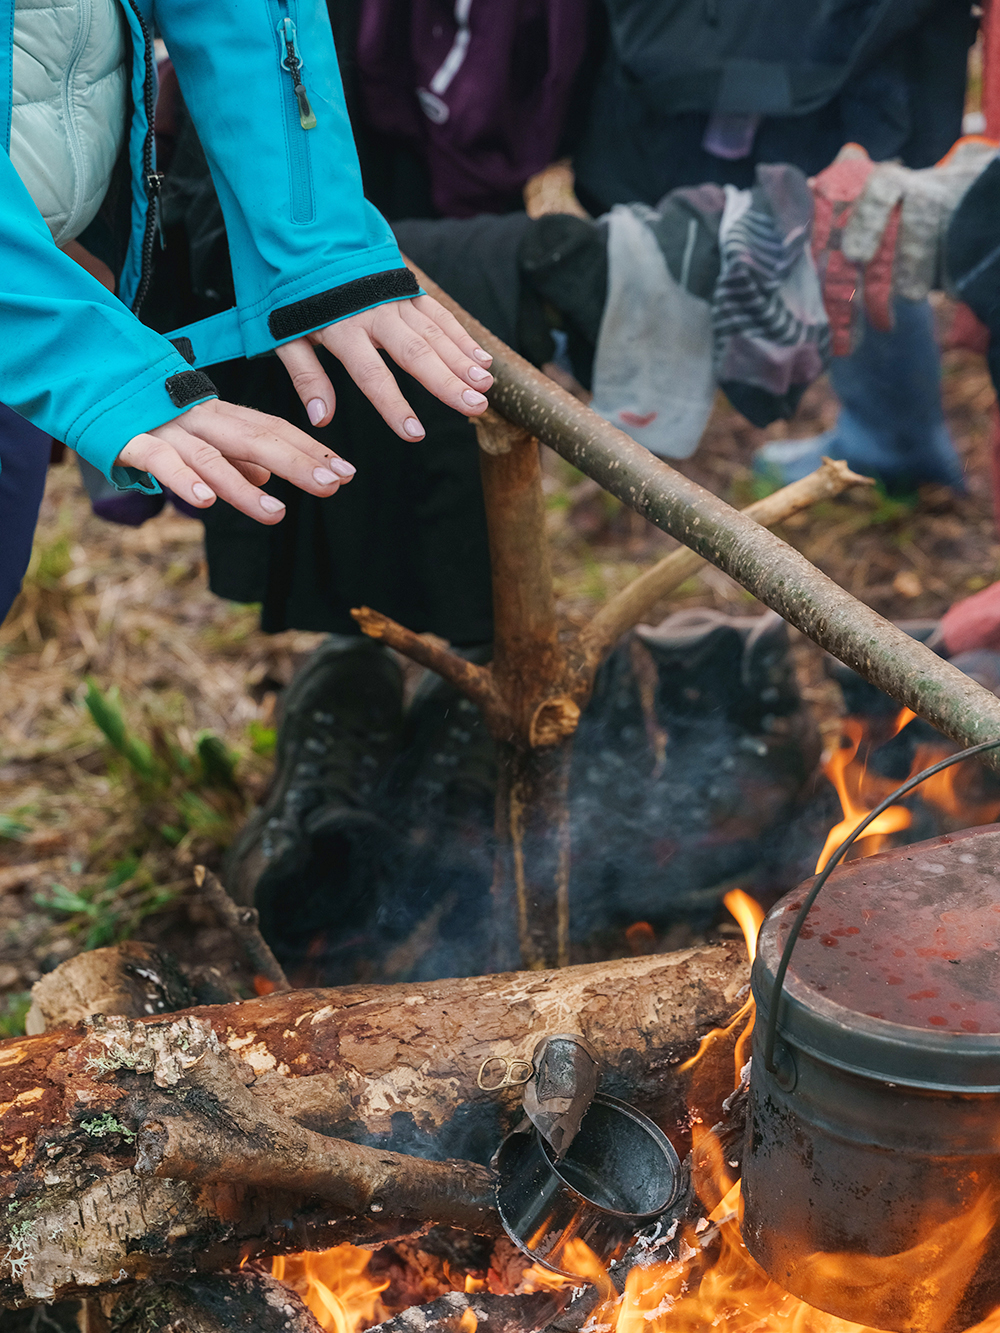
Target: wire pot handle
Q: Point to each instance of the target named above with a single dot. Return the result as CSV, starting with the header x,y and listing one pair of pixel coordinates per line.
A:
x,y
793,935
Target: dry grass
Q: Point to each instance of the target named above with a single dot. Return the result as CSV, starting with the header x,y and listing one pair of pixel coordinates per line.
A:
x,y
96,845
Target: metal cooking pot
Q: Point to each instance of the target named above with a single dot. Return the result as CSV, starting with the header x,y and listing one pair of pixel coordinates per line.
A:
x,y
871,1175
619,1174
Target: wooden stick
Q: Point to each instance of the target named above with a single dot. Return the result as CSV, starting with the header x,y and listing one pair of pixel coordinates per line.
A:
x,y
629,606
773,571
475,682
226,1134
243,923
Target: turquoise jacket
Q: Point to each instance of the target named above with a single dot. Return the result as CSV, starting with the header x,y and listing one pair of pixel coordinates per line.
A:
x,y
261,81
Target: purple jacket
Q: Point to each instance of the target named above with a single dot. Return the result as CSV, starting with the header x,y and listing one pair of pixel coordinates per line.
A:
x,y
482,86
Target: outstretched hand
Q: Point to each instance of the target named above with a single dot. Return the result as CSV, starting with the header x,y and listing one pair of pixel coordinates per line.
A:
x,y
217,449
420,336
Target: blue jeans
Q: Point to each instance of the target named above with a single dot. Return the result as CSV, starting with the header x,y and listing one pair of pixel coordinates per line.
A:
x,y
892,423
24,462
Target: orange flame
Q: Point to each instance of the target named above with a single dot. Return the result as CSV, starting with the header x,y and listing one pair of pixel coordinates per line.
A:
x,y
335,1286
840,769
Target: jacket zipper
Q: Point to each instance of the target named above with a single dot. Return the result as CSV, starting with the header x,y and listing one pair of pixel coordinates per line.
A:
x,y
298,112
152,179
293,64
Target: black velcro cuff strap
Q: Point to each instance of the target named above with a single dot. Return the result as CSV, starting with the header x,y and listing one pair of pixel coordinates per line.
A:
x,y
186,349
189,387
289,321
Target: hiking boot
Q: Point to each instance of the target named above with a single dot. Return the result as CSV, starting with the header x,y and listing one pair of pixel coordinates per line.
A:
x,y
739,748
443,790
313,858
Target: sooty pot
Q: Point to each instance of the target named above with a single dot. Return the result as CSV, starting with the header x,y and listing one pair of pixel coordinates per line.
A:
x,y
871,1177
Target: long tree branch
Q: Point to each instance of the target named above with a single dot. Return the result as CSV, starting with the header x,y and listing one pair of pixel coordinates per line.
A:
x,y
628,607
781,577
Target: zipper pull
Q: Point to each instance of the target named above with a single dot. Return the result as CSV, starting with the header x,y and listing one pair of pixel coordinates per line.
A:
x,y
154,187
292,62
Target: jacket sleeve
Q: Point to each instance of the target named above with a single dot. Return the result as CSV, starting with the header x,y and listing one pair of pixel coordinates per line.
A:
x,y
73,360
307,248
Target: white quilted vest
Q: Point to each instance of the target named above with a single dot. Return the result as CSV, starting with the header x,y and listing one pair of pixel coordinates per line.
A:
x,y
69,106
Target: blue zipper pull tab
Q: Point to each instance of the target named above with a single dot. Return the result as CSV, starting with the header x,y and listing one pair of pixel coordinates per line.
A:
x,y
292,62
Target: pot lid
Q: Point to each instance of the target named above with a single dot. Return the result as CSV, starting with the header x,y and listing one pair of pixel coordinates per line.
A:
x,y
896,974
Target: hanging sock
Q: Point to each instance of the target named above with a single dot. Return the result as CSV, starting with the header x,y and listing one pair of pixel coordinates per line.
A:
x,y
920,205
770,329
847,286
653,374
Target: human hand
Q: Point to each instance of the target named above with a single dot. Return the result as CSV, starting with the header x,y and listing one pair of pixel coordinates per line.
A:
x,y
420,336
218,449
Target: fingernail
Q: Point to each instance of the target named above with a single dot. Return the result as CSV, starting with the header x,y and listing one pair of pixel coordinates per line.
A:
x,y
324,476
482,356
270,505
316,409
342,467
413,427
477,373
473,398
202,492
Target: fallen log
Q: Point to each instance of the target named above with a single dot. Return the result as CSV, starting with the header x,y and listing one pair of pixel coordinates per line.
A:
x,y
390,1069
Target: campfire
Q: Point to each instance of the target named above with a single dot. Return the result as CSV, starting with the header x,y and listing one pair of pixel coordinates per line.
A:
x,y
318,1158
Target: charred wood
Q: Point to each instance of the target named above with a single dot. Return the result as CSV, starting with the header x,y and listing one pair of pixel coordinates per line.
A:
x,y
493,1314
131,979
222,1303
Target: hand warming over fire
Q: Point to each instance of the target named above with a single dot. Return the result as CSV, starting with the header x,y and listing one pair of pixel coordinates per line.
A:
x,y
216,449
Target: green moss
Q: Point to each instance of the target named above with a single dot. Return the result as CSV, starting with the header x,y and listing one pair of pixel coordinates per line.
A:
x,y
103,1126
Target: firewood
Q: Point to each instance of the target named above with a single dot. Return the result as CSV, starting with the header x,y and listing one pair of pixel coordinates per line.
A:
x,y
243,923
131,979
392,1065
220,1303
492,1314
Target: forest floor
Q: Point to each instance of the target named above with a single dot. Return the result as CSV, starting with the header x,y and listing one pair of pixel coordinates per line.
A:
x,y
97,844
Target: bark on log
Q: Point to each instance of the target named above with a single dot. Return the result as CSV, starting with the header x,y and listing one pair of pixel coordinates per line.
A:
x,y
385,1066
773,571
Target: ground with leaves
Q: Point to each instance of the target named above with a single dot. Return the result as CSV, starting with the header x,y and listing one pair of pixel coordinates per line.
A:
x,y
138,709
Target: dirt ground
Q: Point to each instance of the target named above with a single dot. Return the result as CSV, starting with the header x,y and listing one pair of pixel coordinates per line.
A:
x,y
97,842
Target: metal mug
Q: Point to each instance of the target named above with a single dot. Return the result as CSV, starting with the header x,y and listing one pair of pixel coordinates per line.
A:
x,y
871,1172
619,1174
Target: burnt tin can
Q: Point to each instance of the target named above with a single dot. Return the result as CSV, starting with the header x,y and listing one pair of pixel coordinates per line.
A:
x,y
619,1174
871,1173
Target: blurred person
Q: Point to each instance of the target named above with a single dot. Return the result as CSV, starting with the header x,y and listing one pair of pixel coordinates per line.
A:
x,y
694,93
